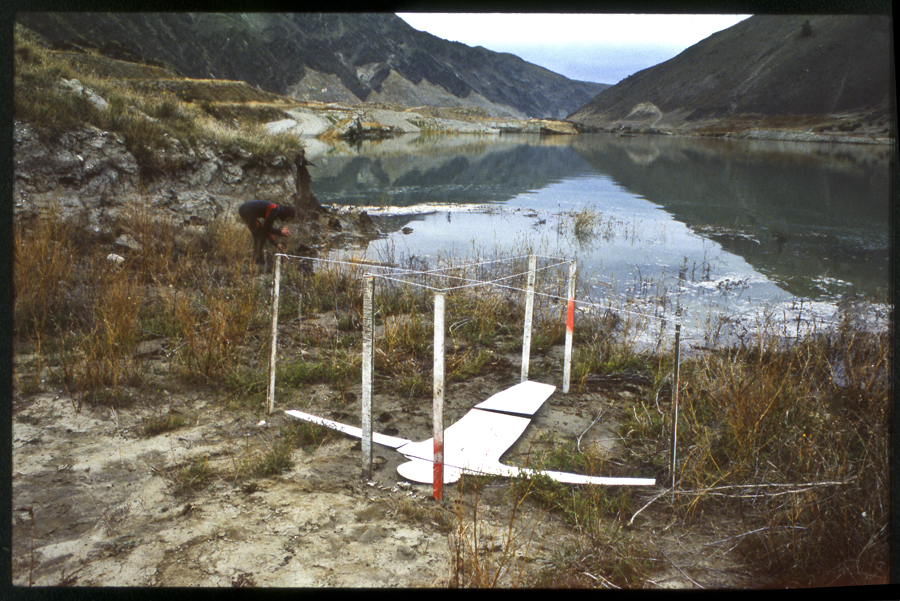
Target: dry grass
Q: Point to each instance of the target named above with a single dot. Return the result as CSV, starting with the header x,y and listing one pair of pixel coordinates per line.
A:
x,y
794,435
158,127
791,434
489,553
86,314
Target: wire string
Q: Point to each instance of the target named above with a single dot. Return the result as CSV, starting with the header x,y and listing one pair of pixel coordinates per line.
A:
x,y
472,283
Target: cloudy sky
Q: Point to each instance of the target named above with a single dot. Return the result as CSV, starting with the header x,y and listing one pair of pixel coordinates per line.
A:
x,y
604,48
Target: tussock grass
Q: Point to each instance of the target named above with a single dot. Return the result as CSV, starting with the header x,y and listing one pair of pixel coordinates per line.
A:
x,y
88,314
604,555
42,261
305,435
792,435
805,426
186,479
484,555
335,369
163,422
272,460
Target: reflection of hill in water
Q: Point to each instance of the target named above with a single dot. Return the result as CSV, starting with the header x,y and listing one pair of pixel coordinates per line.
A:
x,y
793,211
788,209
416,173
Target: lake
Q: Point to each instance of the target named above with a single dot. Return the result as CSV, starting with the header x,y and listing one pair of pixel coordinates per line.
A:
x,y
699,227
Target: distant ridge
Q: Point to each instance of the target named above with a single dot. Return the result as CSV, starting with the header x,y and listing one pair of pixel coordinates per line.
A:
x,y
777,71
328,57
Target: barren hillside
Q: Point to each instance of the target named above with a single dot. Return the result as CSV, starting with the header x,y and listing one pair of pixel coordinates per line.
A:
x,y
769,71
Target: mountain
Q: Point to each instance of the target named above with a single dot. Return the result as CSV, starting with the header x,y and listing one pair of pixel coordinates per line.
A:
x,y
330,57
768,71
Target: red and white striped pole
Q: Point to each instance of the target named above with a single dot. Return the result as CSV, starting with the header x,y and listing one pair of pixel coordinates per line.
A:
x,y
438,415
570,329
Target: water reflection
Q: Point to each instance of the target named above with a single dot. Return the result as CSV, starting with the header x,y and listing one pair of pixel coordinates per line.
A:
x,y
411,170
794,211
812,218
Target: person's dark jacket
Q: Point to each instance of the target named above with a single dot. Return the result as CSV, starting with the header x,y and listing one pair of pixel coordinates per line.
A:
x,y
251,212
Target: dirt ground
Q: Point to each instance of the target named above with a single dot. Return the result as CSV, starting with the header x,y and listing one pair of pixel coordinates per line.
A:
x,y
105,510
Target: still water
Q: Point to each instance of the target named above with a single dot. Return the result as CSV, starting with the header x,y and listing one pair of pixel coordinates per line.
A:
x,y
693,225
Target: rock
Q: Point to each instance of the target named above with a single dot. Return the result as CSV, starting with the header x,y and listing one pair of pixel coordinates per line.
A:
x,y
90,174
128,241
549,126
645,111
83,169
114,258
148,348
77,87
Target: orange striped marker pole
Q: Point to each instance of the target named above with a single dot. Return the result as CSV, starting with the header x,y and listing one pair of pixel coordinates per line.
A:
x,y
438,415
570,329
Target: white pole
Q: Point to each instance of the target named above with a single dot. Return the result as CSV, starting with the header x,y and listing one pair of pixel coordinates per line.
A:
x,y
276,287
529,311
675,385
570,329
438,416
368,354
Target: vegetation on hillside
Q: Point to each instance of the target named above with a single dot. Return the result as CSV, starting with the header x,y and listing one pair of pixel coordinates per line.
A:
x,y
151,123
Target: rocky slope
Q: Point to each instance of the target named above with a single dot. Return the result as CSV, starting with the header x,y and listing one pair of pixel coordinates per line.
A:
x,y
93,167
815,74
332,57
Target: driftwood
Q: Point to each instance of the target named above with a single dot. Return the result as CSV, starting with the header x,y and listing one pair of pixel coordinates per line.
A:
x,y
794,488
715,491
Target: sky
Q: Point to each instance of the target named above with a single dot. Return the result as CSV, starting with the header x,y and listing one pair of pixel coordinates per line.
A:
x,y
604,48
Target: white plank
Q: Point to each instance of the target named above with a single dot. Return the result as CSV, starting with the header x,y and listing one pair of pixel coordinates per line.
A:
x,y
479,438
422,471
382,439
475,443
524,398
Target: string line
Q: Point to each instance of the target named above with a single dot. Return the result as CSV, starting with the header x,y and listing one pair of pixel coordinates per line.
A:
x,y
474,283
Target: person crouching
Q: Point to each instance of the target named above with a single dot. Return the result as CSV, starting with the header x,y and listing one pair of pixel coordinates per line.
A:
x,y
254,211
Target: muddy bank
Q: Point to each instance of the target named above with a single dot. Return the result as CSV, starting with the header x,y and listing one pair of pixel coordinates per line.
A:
x,y
109,505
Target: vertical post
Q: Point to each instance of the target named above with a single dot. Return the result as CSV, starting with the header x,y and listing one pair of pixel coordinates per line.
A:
x,y
276,288
529,312
438,416
368,355
675,383
570,329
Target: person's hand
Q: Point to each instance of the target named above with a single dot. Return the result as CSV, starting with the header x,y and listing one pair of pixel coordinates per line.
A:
x,y
285,232
280,248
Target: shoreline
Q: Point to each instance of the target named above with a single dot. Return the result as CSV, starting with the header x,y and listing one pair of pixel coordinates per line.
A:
x,y
363,122
345,122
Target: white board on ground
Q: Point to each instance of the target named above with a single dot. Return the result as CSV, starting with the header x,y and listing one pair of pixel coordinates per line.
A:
x,y
524,398
422,471
476,442
473,443
382,439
